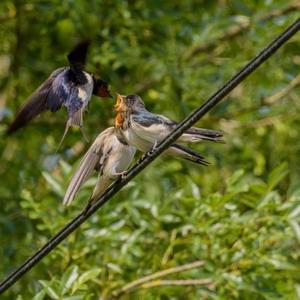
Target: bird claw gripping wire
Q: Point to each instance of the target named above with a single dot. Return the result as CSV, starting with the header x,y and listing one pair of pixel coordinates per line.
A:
x,y
153,149
122,175
149,153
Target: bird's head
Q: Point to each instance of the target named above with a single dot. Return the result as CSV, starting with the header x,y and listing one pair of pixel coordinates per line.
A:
x,y
126,104
101,88
129,103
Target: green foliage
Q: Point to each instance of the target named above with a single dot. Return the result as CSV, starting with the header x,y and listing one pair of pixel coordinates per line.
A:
x,y
240,215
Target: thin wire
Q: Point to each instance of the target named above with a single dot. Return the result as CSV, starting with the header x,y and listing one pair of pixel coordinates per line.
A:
x,y
150,156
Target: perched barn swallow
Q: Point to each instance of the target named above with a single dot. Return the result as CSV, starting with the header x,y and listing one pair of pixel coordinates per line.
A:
x,y
110,155
71,87
143,129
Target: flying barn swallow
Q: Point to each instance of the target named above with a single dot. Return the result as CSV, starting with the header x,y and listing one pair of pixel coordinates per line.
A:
x,y
71,87
143,129
110,155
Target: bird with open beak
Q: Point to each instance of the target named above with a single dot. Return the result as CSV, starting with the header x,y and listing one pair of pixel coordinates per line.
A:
x,y
110,155
71,87
143,129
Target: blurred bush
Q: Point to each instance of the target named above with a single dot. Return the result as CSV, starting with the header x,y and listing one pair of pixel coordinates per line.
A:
x,y
240,215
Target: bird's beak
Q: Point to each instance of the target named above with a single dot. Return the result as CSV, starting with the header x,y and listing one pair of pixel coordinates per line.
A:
x,y
119,102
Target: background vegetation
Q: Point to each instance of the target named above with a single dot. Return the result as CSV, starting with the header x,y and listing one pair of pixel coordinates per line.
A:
x,y
236,220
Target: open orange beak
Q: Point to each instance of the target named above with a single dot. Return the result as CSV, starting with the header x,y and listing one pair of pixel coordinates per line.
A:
x,y
119,103
118,108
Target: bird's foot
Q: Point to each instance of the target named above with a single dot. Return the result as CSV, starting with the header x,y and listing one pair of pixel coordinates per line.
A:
x,y
150,152
154,147
141,158
122,175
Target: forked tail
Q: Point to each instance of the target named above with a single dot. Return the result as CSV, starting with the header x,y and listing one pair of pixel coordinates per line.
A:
x,y
187,154
77,120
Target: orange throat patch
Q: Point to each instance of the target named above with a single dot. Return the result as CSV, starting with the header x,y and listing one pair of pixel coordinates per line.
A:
x,y
119,120
118,108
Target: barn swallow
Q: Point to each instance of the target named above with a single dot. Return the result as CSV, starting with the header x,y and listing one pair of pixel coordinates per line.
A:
x,y
110,155
143,129
71,87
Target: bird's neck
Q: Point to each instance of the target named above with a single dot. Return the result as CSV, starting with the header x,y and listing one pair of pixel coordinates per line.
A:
x,y
119,120
122,119
121,138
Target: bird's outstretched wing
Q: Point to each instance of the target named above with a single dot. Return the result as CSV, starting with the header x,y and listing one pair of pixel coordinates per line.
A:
x,y
36,104
77,59
86,167
56,90
63,89
93,159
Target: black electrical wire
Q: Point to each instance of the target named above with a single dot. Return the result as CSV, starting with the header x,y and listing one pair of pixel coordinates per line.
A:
x,y
150,156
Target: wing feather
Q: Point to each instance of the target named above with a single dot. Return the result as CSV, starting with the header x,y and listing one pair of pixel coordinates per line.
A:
x,y
154,128
59,91
77,59
85,169
35,105
93,159
151,133
206,134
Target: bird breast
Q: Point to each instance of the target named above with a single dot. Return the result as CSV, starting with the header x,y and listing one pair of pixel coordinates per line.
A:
x,y
119,158
85,91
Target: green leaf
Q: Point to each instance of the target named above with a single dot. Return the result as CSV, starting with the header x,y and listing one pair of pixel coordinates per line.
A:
x,y
277,175
55,185
40,295
296,228
85,277
76,297
69,278
49,290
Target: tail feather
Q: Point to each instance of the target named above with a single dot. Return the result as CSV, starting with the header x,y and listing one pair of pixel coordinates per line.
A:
x,y
75,119
197,134
187,154
68,125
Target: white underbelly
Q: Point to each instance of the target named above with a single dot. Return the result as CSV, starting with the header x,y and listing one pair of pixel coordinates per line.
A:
x,y
136,141
85,91
119,159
